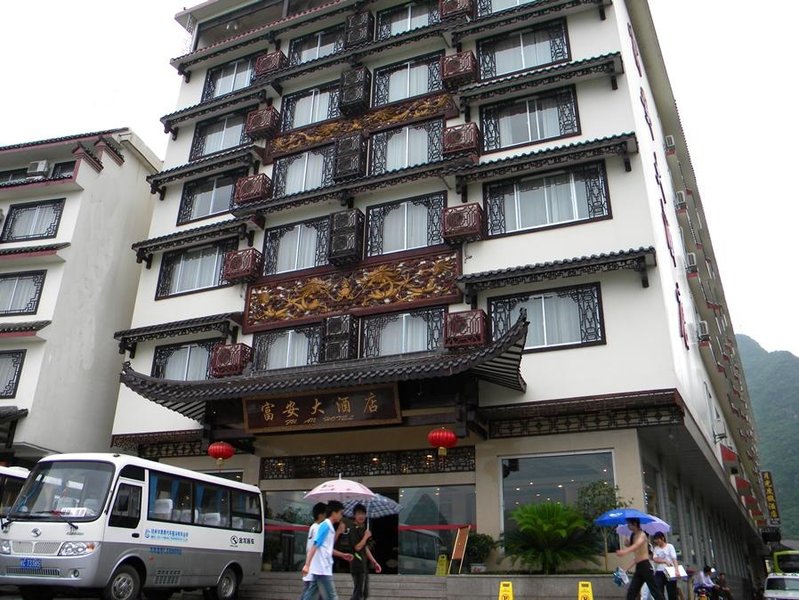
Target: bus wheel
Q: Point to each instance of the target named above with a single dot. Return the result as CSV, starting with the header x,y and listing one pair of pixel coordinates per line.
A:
x,y
125,584
35,593
226,589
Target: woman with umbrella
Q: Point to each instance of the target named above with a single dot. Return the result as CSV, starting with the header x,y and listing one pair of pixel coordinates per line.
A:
x,y
643,569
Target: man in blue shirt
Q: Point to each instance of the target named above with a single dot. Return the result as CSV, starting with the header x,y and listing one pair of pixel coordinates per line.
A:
x,y
319,561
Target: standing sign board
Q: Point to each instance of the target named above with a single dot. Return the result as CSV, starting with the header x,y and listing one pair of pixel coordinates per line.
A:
x,y
459,548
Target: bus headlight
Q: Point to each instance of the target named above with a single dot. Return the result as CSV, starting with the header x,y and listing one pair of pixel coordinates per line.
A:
x,y
5,547
77,548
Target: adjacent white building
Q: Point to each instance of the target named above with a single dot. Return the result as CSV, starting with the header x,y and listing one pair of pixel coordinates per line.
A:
x,y
380,218
71,207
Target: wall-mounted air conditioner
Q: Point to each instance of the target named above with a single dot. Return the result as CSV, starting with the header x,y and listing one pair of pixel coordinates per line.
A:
x,y
703,331
670,144
38,168
690,262
681,200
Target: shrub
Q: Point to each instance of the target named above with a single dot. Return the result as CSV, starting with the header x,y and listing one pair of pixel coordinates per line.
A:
x,y
549,535
478,547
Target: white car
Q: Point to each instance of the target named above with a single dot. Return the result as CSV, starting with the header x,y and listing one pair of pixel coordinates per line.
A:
x,y
782,586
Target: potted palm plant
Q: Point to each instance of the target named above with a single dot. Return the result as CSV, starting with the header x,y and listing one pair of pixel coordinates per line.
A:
x,y
478,548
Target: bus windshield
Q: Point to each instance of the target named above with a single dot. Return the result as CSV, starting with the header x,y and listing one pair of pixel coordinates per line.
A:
x,y
58,489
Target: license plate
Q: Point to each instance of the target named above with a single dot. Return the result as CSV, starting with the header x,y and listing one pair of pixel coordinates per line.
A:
x,y
30,563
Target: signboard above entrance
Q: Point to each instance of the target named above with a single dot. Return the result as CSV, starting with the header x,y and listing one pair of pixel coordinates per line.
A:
x,y
329,410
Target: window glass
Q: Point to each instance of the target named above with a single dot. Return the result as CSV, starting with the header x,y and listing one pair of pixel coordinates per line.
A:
x,y
126,511
213,505
19,293
170,498
197,268
185,363
416,331
429,522
561,317
557,478
529,120
316,45
297,248
287,517
10,368
398,226
33,221
63,169
13,175
10,485
406,148
406,18
211,196
523,50
219,135
303,172
286,348
229,78
312,106
245,511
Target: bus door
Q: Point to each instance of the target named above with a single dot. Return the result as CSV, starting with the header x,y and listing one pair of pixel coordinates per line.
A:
x,y
125,518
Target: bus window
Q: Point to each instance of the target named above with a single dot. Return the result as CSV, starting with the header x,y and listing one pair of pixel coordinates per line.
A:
x,y
213,505
245,511
10,489
127,507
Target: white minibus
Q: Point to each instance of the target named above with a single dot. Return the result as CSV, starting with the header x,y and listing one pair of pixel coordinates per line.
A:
x,y
119,525
11,480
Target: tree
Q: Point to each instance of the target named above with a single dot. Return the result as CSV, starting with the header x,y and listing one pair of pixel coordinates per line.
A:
x,y
550,535
593,499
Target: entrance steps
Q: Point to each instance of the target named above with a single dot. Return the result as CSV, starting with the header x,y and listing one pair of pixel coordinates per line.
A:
x,y
288,586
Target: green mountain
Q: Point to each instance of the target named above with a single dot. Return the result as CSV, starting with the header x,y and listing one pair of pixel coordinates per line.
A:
x,y
773,381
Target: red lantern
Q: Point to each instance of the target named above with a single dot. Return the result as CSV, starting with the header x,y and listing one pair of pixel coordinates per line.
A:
x,y
442,438
221,451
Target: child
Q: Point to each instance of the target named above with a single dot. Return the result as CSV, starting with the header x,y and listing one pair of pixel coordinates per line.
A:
x,y
319,561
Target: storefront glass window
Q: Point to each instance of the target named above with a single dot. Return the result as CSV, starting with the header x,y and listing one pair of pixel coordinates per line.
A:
x,y
428,524
651,499
553,478
287,519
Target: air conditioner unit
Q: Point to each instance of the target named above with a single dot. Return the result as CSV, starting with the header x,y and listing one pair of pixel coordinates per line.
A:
x,y
690,262
38,167
671,146
703,331
681,200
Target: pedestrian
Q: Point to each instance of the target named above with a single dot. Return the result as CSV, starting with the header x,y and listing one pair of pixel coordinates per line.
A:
x,y
724,590
319,561
665,558
318,512
644,574
360,542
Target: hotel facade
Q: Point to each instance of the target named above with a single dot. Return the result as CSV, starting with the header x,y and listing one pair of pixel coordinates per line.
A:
x,y
70,207
377,219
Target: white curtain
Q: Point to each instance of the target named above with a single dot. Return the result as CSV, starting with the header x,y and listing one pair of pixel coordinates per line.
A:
x,y
196,269
398,84
405,227
7,370
399,20
175,367
225,80
514,125
243,74
391,338
508,55
561,202
394,229
419,15
580,196
535,315
214,136
297,249
327,43
289,349
32,221
314,170
295,174
396,149
531,195
303,110
203,199
497,5
417,146
308,49
415,333
536,48
16,292
546,117
416,228
562,320
189,363
234,126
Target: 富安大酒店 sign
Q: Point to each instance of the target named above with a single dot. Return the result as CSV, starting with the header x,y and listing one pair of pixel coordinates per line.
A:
x,y
331,409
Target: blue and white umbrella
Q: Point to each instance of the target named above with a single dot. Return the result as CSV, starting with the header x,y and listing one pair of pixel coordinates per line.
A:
x,y
619,516
379,506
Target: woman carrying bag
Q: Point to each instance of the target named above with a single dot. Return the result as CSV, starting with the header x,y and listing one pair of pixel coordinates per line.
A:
x,y
665,558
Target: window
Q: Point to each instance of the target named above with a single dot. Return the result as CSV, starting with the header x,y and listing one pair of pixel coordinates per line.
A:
x,y
405,80
530,120
551,478
316,45
10,369
305,171
296,246
193,269
20,292
578,194
183,362
286,348
207,197
217,135
63,169
126,511
310,106
522,50
406,147
406,18
412,223
563,317
13,175
32,221
400,333
233,76
485,7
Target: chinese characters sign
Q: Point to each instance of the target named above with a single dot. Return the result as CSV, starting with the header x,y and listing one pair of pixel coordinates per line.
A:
x,y
328,410
771,498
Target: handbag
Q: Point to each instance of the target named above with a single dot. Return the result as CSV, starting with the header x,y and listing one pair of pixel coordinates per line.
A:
x,y
671,572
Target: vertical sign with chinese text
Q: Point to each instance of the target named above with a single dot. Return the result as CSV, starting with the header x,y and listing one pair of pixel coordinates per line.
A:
x,y
771,498
328,410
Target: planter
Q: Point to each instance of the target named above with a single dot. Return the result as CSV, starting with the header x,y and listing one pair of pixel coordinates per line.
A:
x,y
478,568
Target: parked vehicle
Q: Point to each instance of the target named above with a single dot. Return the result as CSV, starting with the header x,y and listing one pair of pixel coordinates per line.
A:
x,y
11,480
120,524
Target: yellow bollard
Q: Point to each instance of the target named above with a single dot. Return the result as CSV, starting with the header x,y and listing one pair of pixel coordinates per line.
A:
x,y
584,591
505,590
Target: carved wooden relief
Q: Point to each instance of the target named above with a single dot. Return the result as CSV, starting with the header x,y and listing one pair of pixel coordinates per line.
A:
x,y
382,118
366,288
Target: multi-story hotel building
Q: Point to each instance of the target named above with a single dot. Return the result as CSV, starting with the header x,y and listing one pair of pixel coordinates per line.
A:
x,y
71,207
380,218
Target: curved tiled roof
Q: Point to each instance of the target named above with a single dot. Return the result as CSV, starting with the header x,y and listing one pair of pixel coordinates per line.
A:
x,y
498,363
176,328
26,327
634,259
68,138
44,248
186,237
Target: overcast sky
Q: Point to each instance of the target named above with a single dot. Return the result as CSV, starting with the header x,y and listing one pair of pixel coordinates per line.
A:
x,y
85,65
